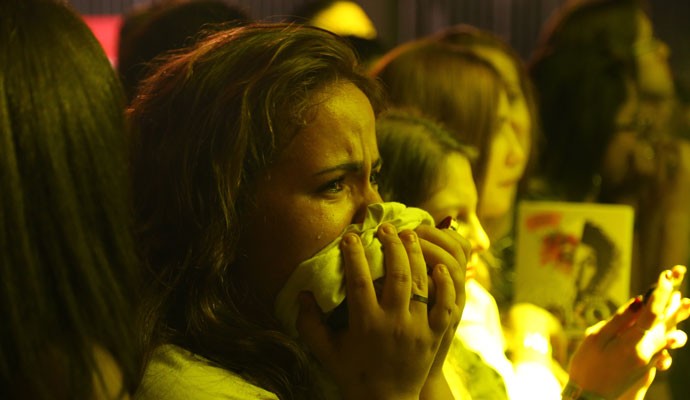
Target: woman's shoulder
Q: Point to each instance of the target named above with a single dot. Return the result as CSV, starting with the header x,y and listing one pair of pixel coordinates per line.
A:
x,y
176,373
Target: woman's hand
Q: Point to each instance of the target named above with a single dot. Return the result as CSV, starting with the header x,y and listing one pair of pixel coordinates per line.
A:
x,y
449,248
619,357
391,341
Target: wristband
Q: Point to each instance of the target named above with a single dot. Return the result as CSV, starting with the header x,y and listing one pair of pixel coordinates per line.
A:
x,y
571,391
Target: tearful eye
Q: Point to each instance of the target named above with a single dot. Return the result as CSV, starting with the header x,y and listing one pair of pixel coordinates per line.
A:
x,y
333,186
374,178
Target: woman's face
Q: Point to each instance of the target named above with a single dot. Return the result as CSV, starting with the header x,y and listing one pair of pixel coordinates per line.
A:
x,y
499,193
519,110
628,156
457,197
322,182
505,167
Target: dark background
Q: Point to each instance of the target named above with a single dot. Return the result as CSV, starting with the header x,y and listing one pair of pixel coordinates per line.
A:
x,y
518,21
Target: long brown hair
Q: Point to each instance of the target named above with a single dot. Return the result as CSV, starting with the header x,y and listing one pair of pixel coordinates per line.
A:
x,y
452,85
583,69
68,269
414,149
206,124
474,39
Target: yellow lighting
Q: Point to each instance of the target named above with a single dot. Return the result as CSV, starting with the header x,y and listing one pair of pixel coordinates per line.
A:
x,y
346,18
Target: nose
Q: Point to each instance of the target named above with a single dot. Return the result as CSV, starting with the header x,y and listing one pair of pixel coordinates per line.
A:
x,y
479,239
521,127
369,196
516,152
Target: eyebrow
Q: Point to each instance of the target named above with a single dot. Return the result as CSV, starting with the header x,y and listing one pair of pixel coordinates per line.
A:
x,y
349,166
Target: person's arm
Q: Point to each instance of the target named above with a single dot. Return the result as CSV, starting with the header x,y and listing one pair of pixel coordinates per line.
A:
x,y
618,358
391,342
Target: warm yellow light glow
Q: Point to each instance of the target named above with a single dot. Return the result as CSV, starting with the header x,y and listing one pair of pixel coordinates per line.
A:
x,y
346,18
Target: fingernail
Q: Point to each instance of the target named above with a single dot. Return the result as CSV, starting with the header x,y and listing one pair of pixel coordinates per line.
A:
x,y
668,274
445,223
350,239
410,237
648,294
388,229
636,305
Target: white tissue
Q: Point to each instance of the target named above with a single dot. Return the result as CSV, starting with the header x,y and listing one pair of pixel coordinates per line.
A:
x,y
323,273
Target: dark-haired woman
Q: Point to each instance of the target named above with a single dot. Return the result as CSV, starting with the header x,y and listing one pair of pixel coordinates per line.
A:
x,y
68,271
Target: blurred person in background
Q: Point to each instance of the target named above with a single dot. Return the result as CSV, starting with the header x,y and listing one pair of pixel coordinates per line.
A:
x,y
595,70
153,29
496,211
68,268
428,168
465,93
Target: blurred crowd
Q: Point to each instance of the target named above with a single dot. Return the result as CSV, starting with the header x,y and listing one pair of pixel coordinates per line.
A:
x,y
293,210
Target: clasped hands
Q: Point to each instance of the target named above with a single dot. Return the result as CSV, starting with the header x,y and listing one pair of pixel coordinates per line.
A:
x,y
395,345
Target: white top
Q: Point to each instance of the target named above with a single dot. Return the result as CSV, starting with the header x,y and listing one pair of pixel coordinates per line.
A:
x,y
174,373
482,332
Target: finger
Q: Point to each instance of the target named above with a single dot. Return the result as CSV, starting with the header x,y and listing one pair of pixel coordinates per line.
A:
x,y
444,310
449,240
595,329
678,272
397,280
673,305
358,282
619,322
418,273
683,311
678,308
432,288
676,339
456,270
649,341
311,328
662,361
672,310
655,307
447,248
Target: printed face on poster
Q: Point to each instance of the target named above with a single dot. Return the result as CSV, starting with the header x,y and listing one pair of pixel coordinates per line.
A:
x,y
574,260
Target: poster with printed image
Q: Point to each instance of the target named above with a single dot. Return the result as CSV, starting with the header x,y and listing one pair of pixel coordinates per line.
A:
x,y
574,259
